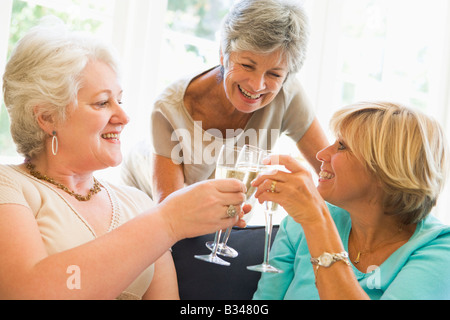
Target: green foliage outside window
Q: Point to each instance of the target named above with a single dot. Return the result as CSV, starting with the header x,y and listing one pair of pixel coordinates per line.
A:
x,y
201,18
25,16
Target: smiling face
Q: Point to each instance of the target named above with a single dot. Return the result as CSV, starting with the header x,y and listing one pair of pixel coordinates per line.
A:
x,y
92,130
252,81
344,181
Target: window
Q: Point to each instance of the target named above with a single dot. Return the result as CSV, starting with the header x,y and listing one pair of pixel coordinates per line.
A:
x,y
380,49
92,16
191,37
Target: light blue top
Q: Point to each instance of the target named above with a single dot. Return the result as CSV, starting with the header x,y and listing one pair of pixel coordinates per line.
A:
x,y
419,270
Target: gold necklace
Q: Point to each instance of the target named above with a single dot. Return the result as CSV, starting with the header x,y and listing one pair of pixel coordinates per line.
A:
x,y
95,189
363,252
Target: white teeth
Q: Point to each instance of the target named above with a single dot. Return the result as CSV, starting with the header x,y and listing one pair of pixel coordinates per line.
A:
x,y
248,94
111,136
326,175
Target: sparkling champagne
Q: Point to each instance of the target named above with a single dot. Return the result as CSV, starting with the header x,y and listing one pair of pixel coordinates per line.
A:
x,y
270,206
243,173
230,173
251,174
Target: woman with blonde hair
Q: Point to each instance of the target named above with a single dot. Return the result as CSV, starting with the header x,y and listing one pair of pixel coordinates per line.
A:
x,y
365,232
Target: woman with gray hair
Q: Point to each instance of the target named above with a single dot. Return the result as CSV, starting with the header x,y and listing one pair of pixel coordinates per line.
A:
x,y
365,232
253,97
63,233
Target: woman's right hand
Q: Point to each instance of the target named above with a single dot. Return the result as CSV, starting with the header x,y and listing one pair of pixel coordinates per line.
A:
x,y
294,190
202,208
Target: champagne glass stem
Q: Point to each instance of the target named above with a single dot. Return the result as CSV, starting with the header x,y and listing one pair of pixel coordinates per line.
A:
x,y
216,242
226,236
212,257
265,265
269,227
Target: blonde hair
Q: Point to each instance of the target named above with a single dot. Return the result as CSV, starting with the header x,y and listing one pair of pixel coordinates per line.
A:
x,y
404,148
45,70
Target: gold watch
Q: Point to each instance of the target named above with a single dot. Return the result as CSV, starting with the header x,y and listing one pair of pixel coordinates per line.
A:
x,y
328,259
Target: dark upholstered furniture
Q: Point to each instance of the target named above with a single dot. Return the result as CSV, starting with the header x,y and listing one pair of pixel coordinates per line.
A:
x,y
199,280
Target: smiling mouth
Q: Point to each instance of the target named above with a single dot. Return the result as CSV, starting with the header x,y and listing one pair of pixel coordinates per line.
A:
x,y
248,95
111,136
323,175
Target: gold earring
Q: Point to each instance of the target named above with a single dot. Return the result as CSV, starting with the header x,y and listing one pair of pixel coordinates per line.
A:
x,y
55,144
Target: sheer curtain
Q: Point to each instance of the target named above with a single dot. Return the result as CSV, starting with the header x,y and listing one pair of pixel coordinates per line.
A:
x,y
404,45
5,18
137,34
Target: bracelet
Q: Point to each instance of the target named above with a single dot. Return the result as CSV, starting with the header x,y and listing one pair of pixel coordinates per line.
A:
x,y
327,260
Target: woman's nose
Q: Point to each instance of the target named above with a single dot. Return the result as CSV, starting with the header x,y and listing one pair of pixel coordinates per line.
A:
x,y
257,83
120,116
323,155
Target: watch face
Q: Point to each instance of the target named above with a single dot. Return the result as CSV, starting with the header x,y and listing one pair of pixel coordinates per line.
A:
x,y
326,259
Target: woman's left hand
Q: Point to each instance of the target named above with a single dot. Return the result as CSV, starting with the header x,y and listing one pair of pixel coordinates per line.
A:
x,y
295,191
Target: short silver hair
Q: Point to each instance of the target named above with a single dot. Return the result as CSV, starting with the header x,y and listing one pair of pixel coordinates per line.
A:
x,y
45,70
265,26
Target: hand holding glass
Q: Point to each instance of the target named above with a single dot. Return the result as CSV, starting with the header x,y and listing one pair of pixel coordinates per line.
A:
x,y
269,209
247,161
225,168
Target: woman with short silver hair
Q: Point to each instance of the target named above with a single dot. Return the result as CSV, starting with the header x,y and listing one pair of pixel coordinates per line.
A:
x,y
51,81
366,231
252,97
63,233
266,26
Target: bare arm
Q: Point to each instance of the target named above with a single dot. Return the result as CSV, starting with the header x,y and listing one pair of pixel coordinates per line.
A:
x,y
167,177
164,284
107,265
110,263
298,195
311,143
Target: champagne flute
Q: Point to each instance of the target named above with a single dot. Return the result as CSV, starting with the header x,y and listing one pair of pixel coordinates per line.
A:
x,y
269,209
225,168
247,161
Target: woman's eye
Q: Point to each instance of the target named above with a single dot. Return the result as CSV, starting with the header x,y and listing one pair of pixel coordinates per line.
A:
x,y
106,103
341,146
102,103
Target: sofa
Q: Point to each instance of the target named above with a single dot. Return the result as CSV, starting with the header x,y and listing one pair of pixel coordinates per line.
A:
x,y
199,280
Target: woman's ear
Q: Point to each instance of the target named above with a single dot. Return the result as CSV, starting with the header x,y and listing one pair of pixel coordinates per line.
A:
x,y
45,121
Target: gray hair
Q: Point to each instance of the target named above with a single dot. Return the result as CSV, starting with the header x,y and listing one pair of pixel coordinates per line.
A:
x,y
45,70
264,26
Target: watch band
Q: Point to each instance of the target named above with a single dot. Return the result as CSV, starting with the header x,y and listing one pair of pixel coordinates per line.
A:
x,y
328,259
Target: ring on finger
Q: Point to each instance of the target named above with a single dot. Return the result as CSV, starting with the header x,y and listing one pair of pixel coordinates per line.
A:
x,y
273,187
231,211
